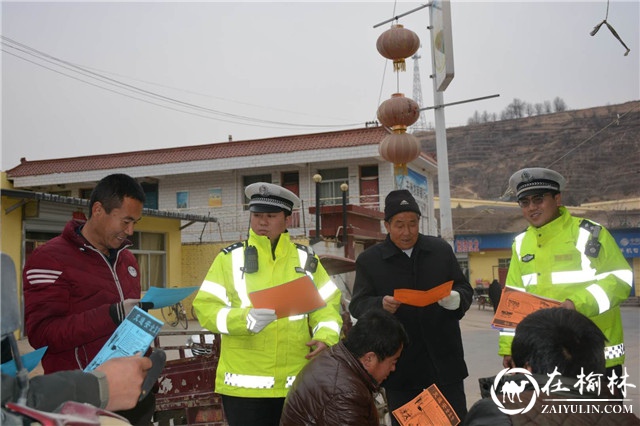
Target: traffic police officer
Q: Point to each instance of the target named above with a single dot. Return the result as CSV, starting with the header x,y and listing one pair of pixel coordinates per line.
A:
x,y
260,353
569,259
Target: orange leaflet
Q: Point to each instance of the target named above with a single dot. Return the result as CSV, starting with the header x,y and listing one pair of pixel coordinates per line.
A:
x,y
515,305
428,408
422,298
296,297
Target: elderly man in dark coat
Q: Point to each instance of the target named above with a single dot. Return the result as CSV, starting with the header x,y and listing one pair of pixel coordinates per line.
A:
x,y
410,260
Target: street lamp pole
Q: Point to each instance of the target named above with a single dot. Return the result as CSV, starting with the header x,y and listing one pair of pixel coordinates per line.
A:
x,y
344,187
317,178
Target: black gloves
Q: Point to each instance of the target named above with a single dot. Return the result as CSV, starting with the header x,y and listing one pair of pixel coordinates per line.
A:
x,y
119,311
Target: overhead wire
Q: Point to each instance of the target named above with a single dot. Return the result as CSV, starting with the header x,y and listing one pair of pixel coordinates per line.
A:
x,y
386,62
615,121
136,98
252,121
191,92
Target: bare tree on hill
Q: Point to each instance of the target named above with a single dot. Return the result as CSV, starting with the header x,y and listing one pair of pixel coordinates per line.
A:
x,y
519,109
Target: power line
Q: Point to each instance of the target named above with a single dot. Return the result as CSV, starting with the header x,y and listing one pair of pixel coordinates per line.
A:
x,y
12,44
191,92
139,99
614,121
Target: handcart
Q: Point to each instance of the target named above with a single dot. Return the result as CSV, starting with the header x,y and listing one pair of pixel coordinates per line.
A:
x,y
186,386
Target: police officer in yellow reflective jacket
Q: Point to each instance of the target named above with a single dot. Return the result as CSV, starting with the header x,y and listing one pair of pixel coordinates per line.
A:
x,y
570,259
260,353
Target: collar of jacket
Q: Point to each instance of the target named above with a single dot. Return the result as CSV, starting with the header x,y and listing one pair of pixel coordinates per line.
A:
x,y
558,223
389,249
340,351
264,243
72,232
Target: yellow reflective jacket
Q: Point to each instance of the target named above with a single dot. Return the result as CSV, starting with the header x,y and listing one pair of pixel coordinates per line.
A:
x,y
263,365
552,261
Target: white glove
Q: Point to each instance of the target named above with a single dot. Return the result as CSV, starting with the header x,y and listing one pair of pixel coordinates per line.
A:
x,y
451,302
257,319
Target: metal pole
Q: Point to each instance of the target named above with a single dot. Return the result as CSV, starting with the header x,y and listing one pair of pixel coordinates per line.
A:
x,y
460,102
403,14
318,210
317,178
344,187
446,224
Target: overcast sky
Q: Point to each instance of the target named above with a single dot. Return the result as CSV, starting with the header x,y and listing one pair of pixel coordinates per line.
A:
x,y
199,72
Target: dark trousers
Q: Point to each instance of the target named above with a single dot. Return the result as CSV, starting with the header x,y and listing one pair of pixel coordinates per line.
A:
x,y
453,392
252,411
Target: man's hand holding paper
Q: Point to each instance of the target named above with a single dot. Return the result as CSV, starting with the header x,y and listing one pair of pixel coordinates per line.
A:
x,y
390,304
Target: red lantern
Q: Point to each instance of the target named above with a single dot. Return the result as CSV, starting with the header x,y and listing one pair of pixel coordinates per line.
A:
x,y
400,149
398,43
398,112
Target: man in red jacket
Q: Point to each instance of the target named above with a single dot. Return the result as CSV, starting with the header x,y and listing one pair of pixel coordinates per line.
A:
x,y
79,286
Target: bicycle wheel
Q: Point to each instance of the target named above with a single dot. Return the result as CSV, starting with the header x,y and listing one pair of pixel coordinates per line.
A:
x,y
169,315
181,314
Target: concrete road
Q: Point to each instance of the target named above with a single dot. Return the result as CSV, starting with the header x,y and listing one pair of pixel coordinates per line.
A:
x,y
481,349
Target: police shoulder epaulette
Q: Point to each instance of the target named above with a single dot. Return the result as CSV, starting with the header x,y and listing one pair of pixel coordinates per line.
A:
x,y
232,247
591,227
302,247
592,247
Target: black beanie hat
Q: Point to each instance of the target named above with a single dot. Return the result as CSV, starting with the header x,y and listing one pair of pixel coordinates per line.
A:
x,y
399,201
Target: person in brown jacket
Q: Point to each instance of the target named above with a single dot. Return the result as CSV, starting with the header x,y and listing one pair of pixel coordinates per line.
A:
x,y
337,387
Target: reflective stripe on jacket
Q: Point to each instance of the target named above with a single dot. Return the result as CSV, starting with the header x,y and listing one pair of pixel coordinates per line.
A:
x,y
551,261
263,364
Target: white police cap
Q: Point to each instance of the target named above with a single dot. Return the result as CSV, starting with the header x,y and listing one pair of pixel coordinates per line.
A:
x,y
269,198
535,180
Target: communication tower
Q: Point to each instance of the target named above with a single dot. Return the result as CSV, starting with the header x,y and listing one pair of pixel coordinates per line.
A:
x,y
421,124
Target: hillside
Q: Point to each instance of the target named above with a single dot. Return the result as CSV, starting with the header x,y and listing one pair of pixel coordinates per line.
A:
x,y
596,149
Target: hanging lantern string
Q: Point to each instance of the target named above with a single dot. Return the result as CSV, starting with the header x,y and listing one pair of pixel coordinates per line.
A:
x,y
396,21
384,70
613,31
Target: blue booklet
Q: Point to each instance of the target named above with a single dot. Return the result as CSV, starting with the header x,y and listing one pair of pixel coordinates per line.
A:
x,y
133,335
163,297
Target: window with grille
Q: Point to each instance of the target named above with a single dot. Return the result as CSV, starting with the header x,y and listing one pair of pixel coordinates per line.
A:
x,y
504,262
330,192
150,251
